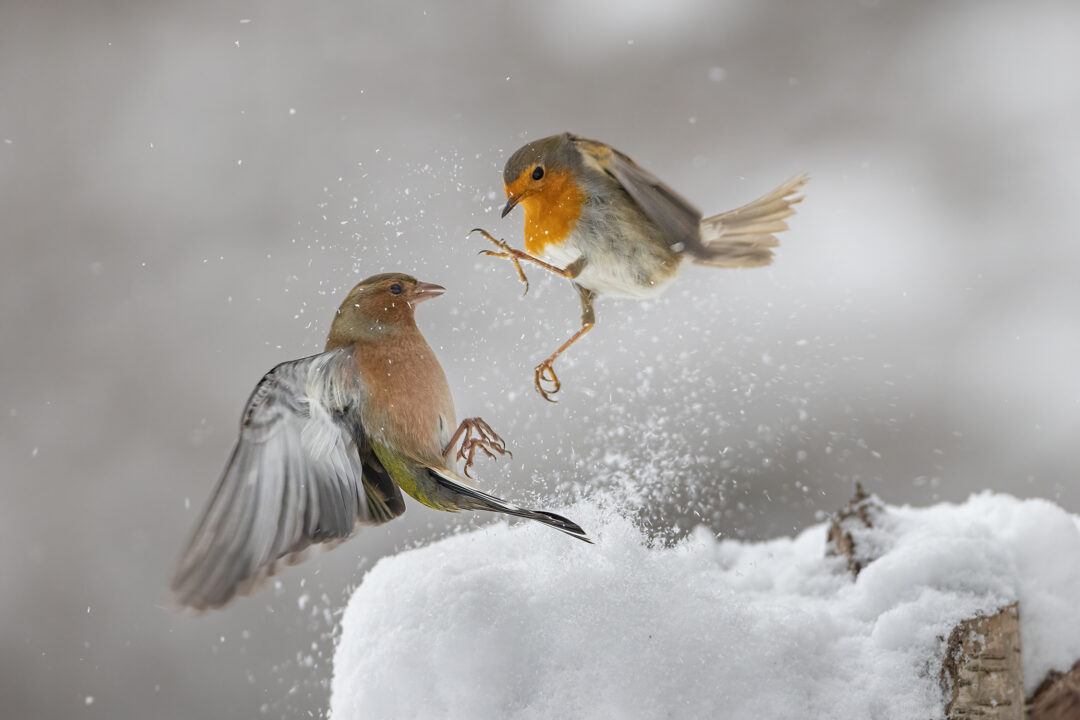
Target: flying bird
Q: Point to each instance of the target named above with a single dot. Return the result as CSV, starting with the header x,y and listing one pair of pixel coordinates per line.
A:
x,y
612,228
328,442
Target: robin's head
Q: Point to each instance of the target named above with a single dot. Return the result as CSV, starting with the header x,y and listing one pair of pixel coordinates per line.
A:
x,y
378,306
543,167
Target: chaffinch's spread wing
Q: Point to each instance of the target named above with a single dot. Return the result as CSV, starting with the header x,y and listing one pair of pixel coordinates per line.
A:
x,y
302,473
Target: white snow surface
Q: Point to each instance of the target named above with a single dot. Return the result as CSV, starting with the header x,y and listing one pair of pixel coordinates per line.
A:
x,y
517,621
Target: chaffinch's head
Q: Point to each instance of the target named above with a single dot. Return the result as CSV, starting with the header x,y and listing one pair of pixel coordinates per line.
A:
x,y
378,306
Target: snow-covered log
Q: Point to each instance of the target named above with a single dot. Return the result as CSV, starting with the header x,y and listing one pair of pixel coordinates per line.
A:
x,y
514,622
982,671
1058,697
981,674
857,519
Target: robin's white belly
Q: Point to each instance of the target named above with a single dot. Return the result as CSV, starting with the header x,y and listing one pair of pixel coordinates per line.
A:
x,y
607,272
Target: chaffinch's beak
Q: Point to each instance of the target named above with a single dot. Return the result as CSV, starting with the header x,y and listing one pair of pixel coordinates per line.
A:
x,y
426,291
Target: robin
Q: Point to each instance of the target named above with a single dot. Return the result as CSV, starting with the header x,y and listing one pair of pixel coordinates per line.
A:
x,y
615,229
328,442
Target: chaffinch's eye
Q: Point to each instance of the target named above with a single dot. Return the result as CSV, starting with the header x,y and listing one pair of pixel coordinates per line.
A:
x,y
396,289
538,173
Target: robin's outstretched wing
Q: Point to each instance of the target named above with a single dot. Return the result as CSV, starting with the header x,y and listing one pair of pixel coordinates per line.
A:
x,y
674,215
302,473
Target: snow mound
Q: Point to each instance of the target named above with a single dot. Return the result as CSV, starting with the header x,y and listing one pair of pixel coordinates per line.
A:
x,y
519,622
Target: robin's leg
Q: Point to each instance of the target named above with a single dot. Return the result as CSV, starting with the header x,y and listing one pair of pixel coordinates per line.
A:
x,y
486,440
516,256
545,371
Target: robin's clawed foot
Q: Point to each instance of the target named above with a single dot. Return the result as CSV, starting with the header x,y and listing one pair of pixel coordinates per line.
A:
x,y
485,440
545,375
505,251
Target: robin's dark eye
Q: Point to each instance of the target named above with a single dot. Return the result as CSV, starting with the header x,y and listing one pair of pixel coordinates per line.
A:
x,y
396,289
538,173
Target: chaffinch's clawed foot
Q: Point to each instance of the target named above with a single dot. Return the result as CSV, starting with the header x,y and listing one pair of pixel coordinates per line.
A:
x,y
485,440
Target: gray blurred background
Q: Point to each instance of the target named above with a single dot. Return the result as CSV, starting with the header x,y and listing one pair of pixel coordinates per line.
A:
x,y
186,190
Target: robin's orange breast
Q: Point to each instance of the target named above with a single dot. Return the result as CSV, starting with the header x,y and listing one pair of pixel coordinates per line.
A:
x,y
552,213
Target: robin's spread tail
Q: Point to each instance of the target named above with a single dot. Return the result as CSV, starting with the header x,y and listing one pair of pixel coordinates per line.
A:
x,y
744,237
474,499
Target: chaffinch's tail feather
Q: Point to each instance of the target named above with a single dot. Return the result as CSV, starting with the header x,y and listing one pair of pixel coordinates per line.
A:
x,y
744,237
558,522
475,499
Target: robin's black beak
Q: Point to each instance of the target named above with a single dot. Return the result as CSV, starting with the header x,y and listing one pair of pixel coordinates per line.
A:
x,y
510,203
